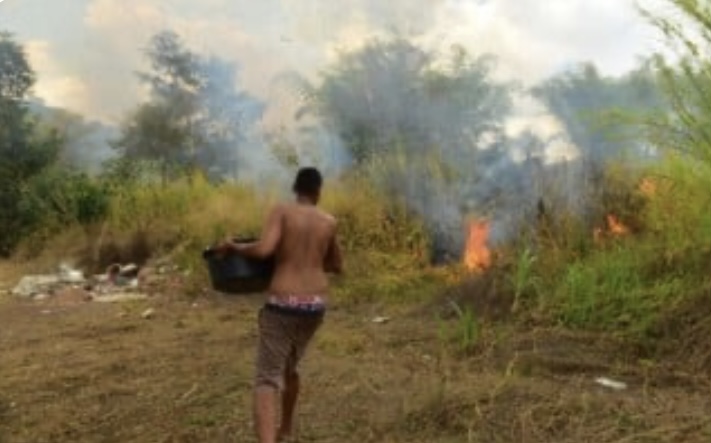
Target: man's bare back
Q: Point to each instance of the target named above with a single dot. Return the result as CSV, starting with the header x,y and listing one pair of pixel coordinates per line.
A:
x,y
306,251
302,239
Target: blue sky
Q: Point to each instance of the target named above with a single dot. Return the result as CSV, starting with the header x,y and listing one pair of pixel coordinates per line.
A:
x,y
87,51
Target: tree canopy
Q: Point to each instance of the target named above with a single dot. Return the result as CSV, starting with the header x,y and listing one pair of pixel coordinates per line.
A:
x,y
195,117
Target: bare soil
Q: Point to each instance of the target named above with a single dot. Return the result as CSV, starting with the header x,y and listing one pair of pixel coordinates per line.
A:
x,y
89,372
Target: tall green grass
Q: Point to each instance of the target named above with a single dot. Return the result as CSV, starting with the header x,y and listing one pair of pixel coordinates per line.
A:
x,y
625,284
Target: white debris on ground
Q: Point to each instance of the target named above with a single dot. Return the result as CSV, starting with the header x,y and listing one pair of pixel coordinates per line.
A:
x,y
34,285
148,313
118,284
612,384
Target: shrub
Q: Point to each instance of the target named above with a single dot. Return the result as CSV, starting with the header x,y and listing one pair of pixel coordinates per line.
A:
x,y
57,199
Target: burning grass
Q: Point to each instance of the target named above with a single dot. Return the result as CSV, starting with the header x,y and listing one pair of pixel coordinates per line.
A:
x,y
477,255
644,253
649,254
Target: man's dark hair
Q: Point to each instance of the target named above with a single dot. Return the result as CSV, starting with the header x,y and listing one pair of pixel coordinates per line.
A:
x,y
308,181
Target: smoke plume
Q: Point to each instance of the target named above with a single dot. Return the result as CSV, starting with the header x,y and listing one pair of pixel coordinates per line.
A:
x,y
88,63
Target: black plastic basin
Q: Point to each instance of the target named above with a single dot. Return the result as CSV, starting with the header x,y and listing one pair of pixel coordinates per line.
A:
x,y
234,274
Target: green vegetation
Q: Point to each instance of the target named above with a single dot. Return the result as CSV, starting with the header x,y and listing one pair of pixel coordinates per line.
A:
x,y
465,332
24,150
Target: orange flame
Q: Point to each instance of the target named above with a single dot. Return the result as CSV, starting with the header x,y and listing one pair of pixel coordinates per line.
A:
x,y
477,256
615,226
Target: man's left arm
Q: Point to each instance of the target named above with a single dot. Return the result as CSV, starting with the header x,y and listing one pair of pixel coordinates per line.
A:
x,y
268,241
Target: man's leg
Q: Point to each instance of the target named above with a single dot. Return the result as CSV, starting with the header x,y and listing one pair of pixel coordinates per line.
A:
x,y
304,332
288,401
265,413
272,354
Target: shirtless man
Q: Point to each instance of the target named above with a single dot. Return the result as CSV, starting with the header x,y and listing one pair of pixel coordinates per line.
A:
x,y
302,239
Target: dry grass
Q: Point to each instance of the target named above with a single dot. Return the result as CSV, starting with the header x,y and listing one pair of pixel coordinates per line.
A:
x,y
89,373
11,272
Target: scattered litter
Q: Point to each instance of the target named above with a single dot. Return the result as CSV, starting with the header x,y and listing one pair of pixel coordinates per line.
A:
x,y
119,283
123,275
46,312
32,285
381,320
41,287
69,275
148,313
612,384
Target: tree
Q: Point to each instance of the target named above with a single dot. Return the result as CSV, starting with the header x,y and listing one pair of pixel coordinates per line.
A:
x,y
392,93
24,150
602,116
687,81
16,75
20,156
85,143
425,126
195,118
605,118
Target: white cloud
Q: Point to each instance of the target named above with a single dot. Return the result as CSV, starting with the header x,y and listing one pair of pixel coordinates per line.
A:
x,y
125,26
53,85
532,39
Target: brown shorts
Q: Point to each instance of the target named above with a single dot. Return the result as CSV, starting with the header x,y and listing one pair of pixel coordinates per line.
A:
x,y
283,339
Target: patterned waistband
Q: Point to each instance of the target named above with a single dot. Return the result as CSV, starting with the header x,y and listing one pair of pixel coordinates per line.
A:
x,y
299,303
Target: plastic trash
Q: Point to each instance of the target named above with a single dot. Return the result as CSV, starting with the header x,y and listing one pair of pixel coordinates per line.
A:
x,y
612,384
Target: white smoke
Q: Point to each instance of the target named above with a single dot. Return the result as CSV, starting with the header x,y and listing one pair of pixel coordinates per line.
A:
x,y
87,63
101,49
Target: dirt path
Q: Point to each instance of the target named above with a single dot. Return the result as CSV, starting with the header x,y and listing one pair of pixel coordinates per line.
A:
x,y
103,373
